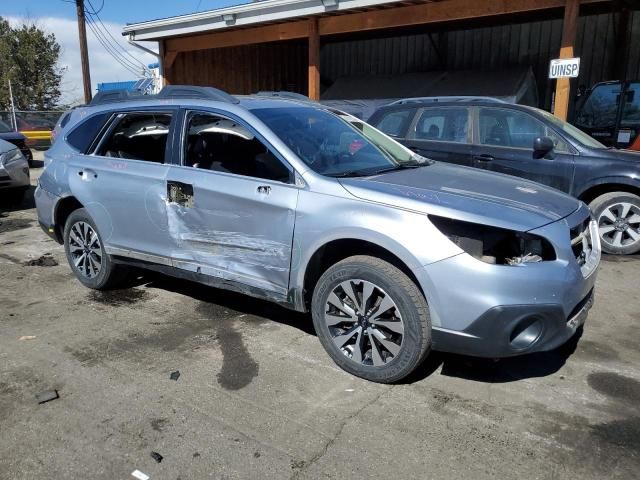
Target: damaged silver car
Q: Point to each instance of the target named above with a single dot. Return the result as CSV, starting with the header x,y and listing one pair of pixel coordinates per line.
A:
x,y
393,254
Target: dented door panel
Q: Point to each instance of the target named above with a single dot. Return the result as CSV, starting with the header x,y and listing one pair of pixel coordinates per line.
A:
x,y
236,228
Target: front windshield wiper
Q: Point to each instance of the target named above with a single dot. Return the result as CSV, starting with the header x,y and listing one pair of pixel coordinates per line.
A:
x,y
402,166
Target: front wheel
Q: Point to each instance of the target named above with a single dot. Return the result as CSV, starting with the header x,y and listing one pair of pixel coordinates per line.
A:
x,y
618,216
86,255
372,319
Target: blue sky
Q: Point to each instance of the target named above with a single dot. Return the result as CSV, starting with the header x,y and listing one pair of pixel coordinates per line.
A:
x,y
117,11
59,17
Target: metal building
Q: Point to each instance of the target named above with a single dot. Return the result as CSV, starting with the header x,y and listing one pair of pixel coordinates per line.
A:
x,y
305,45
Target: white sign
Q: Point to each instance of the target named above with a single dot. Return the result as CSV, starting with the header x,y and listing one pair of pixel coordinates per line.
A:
x,y
564,68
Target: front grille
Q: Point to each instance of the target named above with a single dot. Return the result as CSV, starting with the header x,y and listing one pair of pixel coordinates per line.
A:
x,y
581,241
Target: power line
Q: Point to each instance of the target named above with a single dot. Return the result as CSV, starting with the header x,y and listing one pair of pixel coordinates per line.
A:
x,y
130,67
94,11
95,17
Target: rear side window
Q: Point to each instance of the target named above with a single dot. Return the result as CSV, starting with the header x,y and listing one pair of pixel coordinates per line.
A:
x,y
138,136
395,123
84,134
443,124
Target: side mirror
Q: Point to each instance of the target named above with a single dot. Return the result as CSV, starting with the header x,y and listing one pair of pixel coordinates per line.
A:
x,y
542,146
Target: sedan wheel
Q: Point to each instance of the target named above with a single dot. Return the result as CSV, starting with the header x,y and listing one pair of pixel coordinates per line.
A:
x,y
364,322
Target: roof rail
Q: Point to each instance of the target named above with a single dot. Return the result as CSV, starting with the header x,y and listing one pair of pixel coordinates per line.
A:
x,y
170,91
453,98
190,91
110,96
284,94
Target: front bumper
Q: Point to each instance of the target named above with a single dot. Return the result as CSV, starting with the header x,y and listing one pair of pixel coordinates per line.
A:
x,y
15,175
496,311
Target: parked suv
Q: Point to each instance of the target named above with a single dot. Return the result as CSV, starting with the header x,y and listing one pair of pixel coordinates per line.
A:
x,y
298,204
530,143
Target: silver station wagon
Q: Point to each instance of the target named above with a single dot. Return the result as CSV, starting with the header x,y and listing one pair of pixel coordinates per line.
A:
x,y
393,254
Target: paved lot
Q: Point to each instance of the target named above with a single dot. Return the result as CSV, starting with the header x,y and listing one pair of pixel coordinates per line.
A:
x,y
257,397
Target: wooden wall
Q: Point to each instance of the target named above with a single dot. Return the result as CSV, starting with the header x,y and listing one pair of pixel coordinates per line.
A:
x,y
244,69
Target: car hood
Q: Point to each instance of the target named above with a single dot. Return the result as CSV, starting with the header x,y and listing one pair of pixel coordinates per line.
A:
x,y
626,155
466,194
12,136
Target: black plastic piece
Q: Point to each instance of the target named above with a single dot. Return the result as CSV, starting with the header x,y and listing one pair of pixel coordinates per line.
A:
x,y
156,456
174,375
190,91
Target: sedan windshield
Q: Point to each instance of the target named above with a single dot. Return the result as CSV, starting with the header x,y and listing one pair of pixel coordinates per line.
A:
x,y
335,146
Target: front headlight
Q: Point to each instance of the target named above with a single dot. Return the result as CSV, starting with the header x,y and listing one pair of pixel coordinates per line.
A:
x,y
10,157
495,245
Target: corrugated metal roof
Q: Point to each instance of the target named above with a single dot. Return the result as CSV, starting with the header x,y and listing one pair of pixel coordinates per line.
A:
x,y
266,11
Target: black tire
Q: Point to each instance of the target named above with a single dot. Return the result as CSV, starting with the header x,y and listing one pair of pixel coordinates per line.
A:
x,y
409,302
611,202
109,274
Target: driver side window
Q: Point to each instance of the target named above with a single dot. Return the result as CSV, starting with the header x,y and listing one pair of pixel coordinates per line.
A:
x,y
221,144
512,128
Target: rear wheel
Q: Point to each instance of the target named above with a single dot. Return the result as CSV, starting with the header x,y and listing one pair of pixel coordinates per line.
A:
x,y
372,319
86,255
618,216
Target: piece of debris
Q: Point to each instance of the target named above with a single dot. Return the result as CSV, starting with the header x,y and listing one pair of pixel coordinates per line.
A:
x,y
139,475
45,260
175,375
27,337
47,396
256,454
196,455
156,456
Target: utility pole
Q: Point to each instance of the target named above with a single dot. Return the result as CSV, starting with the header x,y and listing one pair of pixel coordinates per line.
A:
x,y
13,108
84,54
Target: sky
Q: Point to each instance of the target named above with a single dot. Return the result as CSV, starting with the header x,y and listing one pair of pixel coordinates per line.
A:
x,y
59,17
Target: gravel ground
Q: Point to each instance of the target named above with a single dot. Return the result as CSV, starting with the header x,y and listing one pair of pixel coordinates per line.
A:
x,y
257,397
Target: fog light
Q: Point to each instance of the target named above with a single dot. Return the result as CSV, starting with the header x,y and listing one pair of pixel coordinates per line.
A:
x,y
526,333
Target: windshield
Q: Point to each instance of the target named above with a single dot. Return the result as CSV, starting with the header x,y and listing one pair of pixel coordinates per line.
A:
x,y
574,132
335,146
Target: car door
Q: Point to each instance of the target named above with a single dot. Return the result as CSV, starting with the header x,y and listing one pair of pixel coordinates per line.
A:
x,y
443,134
503,142
121,182
231,204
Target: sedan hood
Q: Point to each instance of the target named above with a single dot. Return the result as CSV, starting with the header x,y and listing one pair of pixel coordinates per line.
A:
x,y
466,194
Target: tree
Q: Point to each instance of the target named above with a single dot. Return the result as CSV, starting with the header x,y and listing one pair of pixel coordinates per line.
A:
x,y
29,57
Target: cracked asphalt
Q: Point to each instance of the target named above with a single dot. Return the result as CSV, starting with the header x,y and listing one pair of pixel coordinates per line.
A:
x,y
257,397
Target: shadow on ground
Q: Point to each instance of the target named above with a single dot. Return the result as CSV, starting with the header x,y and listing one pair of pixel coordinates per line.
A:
x,y
502,370
238,302
8,204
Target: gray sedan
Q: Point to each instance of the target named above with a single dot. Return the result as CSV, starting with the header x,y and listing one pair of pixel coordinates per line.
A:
x,y
14,172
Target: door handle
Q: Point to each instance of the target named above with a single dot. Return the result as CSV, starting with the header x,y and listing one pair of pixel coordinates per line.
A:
x,y
265,189
483,158
87,174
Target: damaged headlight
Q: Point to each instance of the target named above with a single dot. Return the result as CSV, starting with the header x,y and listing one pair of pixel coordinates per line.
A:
x,y
10,157
495,245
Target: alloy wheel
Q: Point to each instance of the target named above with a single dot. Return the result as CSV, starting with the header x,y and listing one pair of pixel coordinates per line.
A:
x,y
85,249
619,224
364,322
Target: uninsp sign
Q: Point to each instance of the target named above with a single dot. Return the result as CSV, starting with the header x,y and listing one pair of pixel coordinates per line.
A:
x,y
564,68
